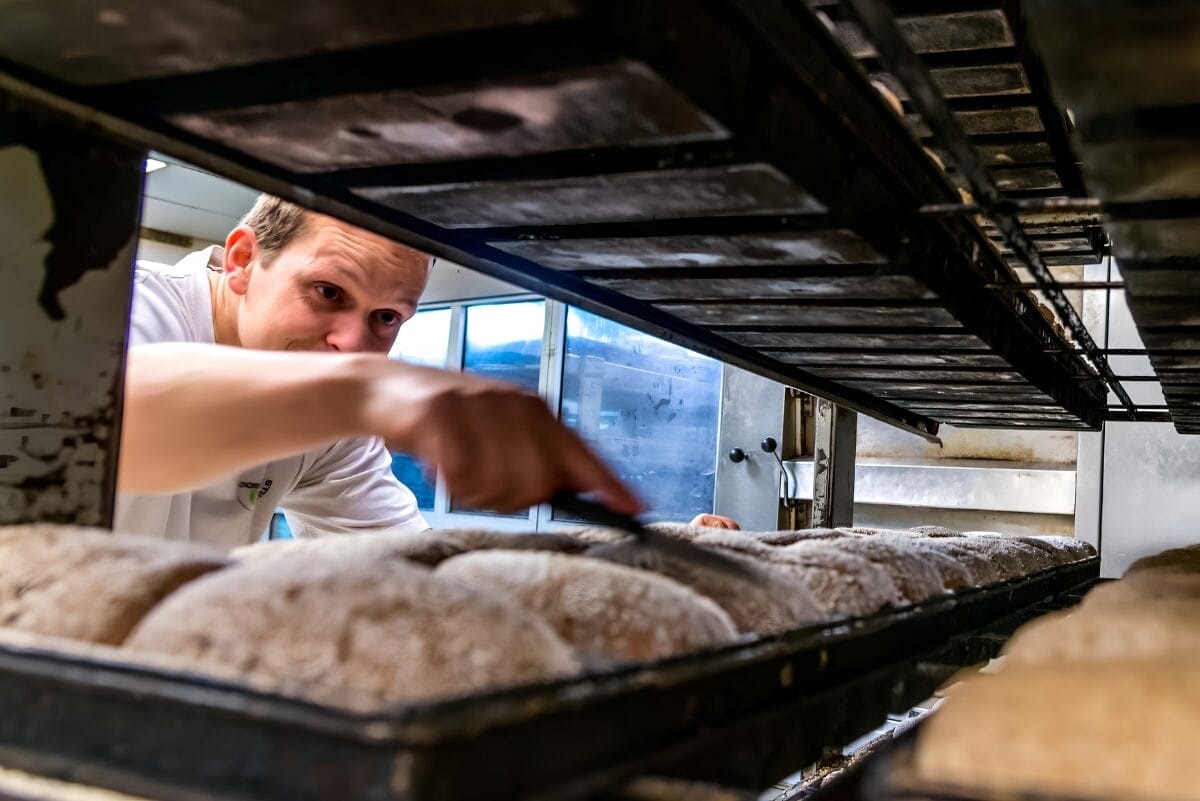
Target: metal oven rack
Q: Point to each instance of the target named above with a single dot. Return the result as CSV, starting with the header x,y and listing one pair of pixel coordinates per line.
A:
x,y
719,173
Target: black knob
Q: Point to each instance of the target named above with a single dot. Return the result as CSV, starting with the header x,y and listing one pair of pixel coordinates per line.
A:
x,y
768,444
737,455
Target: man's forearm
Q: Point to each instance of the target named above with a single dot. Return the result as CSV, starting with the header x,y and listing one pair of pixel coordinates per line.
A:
x,y
195,413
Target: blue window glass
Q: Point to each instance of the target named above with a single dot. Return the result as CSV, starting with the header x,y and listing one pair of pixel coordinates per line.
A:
x,y
648,407
504,341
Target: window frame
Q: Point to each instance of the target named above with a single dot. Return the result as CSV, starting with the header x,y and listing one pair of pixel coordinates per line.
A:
x,y
550,382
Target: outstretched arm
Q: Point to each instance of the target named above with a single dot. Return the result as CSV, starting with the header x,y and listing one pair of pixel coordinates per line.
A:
x,y
195,413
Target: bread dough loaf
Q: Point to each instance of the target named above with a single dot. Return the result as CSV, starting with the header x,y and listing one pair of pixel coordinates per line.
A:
x,y
88,584
981,569
766,600
353,631
913,576
791,537
1070,549
1118,731
1146,630
1187,558
484,539
428,548
846,584
1028,557
1048,554
953,574
1152,584
933,531
607,612
1009,558
600,536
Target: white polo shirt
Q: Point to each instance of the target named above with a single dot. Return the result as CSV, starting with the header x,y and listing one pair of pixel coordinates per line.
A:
x,y
344,488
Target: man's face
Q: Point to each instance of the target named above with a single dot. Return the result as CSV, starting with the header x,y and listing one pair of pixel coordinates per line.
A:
x,y
334,288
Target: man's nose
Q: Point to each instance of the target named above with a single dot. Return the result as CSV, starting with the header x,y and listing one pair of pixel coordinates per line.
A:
x,y
348,335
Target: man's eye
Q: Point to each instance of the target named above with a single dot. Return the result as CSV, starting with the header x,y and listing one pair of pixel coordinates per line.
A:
x,y
388,318
328,292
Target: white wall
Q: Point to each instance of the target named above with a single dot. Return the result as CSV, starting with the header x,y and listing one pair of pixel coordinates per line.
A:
x,y
449,282
149,250
1149,500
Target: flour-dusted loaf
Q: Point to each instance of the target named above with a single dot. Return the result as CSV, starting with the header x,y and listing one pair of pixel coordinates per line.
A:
x,y
933,531
914,577
953,574
737,542
484,539
1048,553
1186,558
600,536
607,612
1070,549
1152,630
1010,559
88,584
767,599
981,568
427,548
1115,731
1152,584
846,584
1029,557
789,537
353,631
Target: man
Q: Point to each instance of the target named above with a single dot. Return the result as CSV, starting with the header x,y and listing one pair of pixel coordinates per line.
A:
x,y
257,377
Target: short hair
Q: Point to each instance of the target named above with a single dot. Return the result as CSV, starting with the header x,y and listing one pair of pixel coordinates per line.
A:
x,y
276,222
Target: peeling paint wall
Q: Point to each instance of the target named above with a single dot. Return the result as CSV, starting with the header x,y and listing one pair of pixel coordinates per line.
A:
x,y
68,220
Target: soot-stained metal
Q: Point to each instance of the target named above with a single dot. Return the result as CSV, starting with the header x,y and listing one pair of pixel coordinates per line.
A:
x,y
68,223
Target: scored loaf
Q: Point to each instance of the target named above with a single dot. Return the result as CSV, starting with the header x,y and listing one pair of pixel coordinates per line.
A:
x,y
352,631
1186,558
1098,731
846,584
88,584
913,576
429,548
1134,631
1152,584
951,571
607,612
766,599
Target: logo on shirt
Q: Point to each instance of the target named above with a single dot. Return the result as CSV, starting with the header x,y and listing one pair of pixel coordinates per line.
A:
x,y
248,492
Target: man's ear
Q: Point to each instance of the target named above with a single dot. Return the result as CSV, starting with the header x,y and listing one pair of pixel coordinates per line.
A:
x,y
241,255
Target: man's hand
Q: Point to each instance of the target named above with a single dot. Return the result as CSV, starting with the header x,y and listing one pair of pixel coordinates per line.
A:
x,y
498,447
716,521
197,413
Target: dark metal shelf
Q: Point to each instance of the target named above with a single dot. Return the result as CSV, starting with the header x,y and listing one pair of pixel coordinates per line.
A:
x,y
715,173
1138,144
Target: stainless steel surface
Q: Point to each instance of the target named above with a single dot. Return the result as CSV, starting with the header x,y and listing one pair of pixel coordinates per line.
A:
x,y
1149,500
752,407
984,487
833,475
1136,481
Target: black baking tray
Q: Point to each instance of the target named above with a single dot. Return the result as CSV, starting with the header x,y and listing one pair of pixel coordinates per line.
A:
x,y
746,714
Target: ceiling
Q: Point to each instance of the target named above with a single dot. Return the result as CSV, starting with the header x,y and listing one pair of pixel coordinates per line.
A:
x,y
181,199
